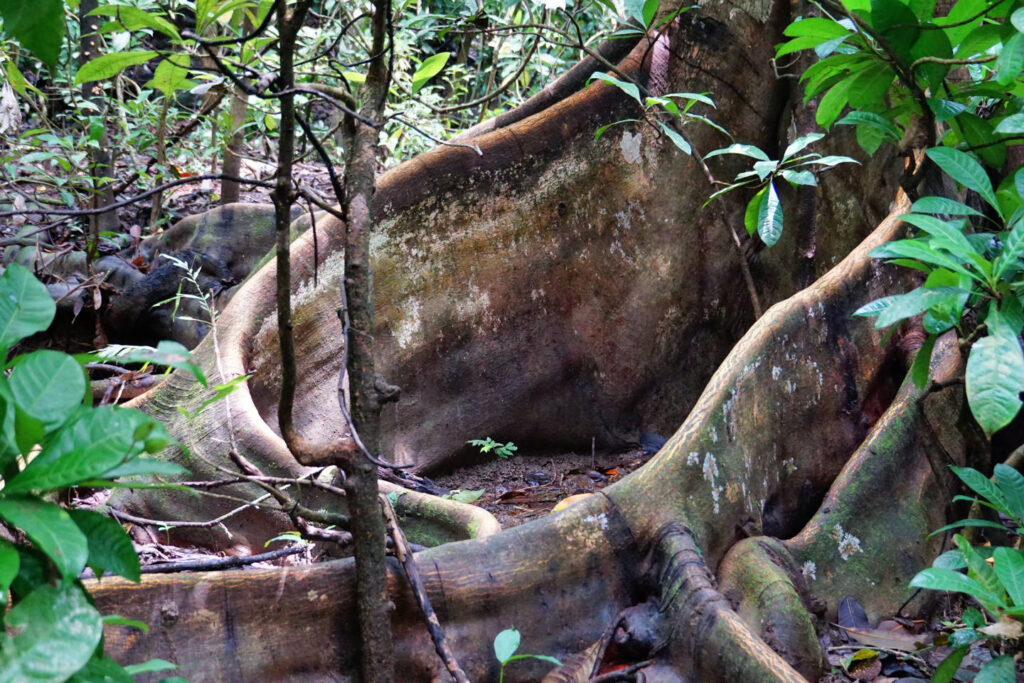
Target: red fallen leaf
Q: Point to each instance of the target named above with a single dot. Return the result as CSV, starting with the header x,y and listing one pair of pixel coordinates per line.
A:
x,y
138,261
613,472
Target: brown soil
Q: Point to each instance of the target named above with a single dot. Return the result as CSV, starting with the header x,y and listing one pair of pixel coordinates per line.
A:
x,y
526,486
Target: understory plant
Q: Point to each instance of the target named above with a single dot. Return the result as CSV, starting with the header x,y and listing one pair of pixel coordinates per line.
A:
x,y
488,445
51,440
505,645
992,576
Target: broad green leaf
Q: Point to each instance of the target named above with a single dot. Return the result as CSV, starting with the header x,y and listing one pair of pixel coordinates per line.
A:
x,y
753,211
1013,249
800,144
51,530
92,444
945,109
868,88
965,170
111,64
505,644
981,523
944,672
943,207
37,24
922,362
951,559
143,466
994,379
1017,19
832,104
999,670
873,308
677,139
1011,125
932,44
830,161
693,96
983,486
945,580
650,8
51,634
430,67
763,169
769,217
169,353
799,177
171,75
1009,567
742,150
979,135
9,562
109,546
797,44
133,19
959,15
48,386
897,24
118,620
25,305
915,249
825,29
628,88
867,118
101,669
1011,483
915,302
949,233
978,568
664,103
1010,60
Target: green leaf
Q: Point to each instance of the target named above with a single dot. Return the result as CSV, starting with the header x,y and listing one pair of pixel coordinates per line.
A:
x,y
965,170
38,25
151,666
111,64
171,75
830,161
948,233
628,88
995,378
50,634
998,670
109,546
981,523
753,211
945,580
825,29
1011,125
742,150
942,206
168,353
51,529
944,672
101,669
800,144
25,305
1011,483
832,104
677,139
48,386
979,569
915,302
799,177
915,249
118,620
983,486
873,308
1013,249
897,24
868,88
1010,60
91,445
922,362
505,644
932,44
9,562
769,217
143,466
1009,567
867,118
133,19
650,8
430,67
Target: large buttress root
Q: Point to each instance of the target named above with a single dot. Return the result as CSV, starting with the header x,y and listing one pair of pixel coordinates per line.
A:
x,y
564,579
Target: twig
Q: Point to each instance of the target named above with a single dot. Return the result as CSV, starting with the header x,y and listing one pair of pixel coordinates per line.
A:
x,y
419,591
216,563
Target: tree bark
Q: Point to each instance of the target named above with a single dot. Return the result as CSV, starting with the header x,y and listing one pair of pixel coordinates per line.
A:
x,y
556,288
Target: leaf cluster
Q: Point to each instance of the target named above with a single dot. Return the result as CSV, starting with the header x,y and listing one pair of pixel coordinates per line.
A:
x,y
52,439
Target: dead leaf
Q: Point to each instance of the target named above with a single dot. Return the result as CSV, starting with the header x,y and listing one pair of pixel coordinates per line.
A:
x,y
863,665
1006,627
886,640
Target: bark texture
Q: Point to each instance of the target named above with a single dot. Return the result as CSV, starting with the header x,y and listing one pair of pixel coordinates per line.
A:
x,y
557,288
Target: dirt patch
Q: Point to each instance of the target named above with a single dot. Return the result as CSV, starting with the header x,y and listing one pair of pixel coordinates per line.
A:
x,y
524,487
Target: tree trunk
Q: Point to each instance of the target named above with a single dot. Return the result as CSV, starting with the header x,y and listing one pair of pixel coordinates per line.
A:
x,y
557,288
